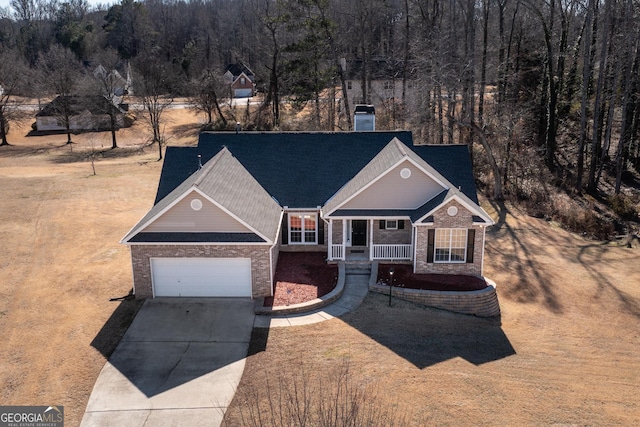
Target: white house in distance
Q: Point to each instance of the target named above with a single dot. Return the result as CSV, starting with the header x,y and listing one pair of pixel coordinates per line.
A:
x,y
382,79
85,114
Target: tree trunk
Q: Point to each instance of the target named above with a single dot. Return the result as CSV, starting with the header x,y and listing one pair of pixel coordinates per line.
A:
x,y
3,129
483,70
631,68
597,113
497,175
114,143
584,98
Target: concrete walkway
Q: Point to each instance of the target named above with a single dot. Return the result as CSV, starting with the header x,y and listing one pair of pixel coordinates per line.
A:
x,y
179,364
355,290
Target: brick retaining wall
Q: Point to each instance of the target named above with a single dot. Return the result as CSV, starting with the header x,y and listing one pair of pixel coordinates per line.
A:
x,y
482,303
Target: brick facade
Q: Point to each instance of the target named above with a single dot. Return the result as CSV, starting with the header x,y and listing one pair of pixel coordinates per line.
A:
x,y
336,235
441,219
259,254
391,237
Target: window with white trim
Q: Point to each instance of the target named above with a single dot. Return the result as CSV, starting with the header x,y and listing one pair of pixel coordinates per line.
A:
x,y
450,245
391,224
303,228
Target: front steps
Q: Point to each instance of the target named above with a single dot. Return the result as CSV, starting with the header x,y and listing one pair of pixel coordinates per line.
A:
x,y
358,268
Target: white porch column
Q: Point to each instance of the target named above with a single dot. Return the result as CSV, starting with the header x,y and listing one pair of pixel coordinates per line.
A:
x,y
344,239
330,240
370,239
414,239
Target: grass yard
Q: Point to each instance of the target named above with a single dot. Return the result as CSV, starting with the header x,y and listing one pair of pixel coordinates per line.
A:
x,y
565,351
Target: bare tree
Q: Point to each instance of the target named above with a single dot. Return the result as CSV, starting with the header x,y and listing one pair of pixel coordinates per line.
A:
x,y
12,78
153,88
60,71
205,95
107,82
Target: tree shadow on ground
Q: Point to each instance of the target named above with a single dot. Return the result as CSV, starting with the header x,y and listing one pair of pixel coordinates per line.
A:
x,y
530,282
85,155
186,130
426,336
116,326
604,283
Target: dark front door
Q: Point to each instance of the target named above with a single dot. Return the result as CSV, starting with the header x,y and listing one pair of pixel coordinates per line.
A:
x,y
359,232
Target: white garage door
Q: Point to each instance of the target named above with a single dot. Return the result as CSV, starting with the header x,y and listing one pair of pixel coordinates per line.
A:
x,y
201,277
242,93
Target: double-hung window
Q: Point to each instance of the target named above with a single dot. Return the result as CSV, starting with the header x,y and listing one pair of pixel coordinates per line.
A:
x,y
303,228
391,224
450,245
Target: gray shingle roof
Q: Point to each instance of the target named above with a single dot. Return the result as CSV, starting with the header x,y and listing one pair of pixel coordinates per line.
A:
x,y
255,174
225,181
299,169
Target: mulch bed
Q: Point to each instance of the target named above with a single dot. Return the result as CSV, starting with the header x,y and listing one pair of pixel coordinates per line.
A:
x,y
302,277
404,277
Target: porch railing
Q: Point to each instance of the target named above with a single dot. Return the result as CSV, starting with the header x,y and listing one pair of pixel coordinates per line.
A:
x,y
392,252
337,252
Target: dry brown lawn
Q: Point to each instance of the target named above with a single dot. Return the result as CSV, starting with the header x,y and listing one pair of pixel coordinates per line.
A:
x,y
61,261
565,352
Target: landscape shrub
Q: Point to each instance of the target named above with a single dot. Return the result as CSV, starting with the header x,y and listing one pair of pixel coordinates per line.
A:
x,y
580,218
623,206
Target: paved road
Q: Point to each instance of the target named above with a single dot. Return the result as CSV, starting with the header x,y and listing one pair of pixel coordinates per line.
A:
x,y
178,365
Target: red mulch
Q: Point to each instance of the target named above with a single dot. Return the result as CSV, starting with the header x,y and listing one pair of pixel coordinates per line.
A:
x,y
404,277
302,277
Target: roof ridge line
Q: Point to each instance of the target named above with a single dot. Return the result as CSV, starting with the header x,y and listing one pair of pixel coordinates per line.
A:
x,y
400,146
202,173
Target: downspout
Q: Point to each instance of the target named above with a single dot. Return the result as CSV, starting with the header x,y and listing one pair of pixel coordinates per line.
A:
x,y
275,243
484,231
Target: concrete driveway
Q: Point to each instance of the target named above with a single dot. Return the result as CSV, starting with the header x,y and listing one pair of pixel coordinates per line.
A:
x,y
178,364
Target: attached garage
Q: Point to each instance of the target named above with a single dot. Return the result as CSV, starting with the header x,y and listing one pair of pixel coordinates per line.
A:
x,y
201,277
242,92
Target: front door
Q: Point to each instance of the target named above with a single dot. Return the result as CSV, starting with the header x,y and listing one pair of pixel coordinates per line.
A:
x,y
359,232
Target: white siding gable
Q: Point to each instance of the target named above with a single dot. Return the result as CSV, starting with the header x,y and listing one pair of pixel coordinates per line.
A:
x,y
392,191
183,218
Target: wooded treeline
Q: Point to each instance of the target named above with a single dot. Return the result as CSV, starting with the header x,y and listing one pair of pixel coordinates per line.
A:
x,y
547,90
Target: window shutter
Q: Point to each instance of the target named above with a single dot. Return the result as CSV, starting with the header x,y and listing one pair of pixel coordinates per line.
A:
x,y
471,237
401,224
320,231
430,244
383,224
285,229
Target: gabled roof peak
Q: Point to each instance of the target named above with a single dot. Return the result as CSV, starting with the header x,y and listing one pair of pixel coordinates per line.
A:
x,y
206,169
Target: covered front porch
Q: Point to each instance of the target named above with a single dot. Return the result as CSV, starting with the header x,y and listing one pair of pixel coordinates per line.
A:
x,y
370,239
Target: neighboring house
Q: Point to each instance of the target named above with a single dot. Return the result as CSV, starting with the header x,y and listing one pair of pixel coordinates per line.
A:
x,y
116,86
87,113
382,79
217,229
241,80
